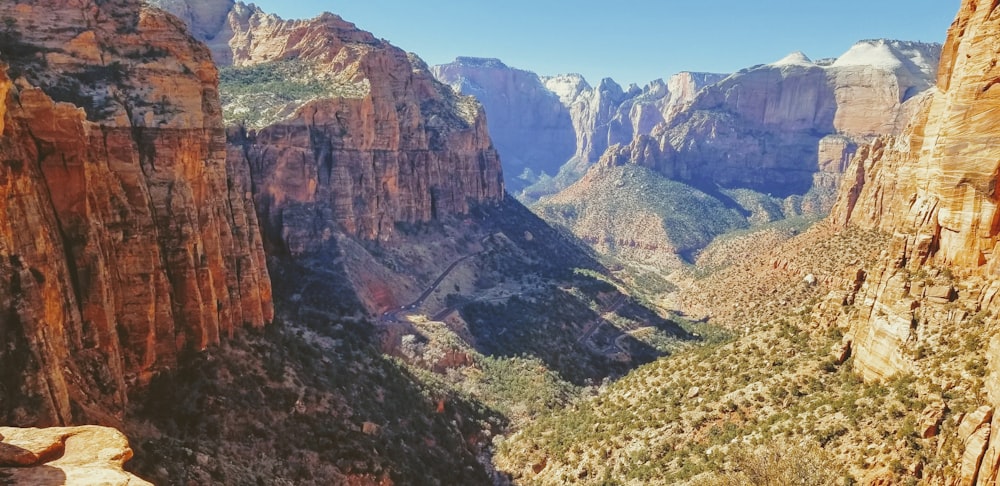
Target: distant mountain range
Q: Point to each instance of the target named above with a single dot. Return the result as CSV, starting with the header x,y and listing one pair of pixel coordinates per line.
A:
x,y
759,128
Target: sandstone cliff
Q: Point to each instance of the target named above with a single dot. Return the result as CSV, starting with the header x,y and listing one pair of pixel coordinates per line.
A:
x,y
547,127
366,140
531,128
607,115
781,128
767,143
933,189
124,239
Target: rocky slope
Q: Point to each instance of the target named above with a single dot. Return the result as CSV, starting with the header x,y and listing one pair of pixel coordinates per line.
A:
x,y
531,128
908,283
65,455
125,239
633,213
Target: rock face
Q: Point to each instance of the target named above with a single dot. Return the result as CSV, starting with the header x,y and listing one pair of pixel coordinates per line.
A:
x,y
766,143
205,20
765,128
607,115
935,183
124,239
561,125
380,143
933,186
531,128
933,189
68,455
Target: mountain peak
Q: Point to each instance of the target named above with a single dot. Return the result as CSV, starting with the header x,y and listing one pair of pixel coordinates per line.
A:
x,y
797,58
566,86
481,62
872,53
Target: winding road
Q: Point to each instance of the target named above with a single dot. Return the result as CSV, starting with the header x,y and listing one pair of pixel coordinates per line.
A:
x,y
393,315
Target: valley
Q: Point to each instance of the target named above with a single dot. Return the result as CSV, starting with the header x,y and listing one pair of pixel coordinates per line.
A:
x,y
279,251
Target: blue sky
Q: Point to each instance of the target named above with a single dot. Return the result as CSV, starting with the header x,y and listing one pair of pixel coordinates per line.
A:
x,y
632,41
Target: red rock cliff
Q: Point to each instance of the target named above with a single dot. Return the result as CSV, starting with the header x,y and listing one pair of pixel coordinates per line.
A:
x,y
378,142
124,240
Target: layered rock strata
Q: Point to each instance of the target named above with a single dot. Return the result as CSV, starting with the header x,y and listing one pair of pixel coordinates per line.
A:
x,y
774,128
124,240
560,125
933,186
608,114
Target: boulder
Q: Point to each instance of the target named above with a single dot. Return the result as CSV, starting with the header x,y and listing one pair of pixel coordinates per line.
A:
x,y
84,456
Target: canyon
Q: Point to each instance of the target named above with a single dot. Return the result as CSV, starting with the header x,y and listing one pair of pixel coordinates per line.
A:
x,y
895,288
284,251
766,144
222,260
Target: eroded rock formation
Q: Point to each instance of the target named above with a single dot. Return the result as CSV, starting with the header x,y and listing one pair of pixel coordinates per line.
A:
x,y
124,239
933,189
558,126
381,141
65,455
607,115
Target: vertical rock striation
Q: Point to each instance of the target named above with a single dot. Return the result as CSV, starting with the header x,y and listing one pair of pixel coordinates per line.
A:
x,y
125,239
608,115
936,181
558,126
